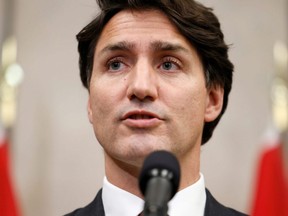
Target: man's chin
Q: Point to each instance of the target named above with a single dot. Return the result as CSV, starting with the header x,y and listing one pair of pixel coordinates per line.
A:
x,y
137,157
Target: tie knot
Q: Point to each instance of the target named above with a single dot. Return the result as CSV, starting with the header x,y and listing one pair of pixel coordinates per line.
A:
x,y
142,214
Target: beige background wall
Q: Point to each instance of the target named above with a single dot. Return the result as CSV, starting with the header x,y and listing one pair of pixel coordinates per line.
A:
x,y
57,163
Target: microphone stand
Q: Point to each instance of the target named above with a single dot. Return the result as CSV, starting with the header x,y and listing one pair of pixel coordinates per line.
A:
x,y
157,205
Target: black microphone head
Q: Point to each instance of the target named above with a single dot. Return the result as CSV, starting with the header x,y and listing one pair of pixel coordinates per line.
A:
x,y
160,163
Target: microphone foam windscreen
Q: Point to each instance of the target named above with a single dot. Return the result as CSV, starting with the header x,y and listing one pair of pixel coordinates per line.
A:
x,y
160,160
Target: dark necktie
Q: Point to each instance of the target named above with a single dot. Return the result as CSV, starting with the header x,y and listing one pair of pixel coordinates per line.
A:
x,y
142,214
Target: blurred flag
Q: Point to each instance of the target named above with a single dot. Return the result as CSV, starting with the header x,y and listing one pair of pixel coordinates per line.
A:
x,y
8,205
271,198
11,75
271,195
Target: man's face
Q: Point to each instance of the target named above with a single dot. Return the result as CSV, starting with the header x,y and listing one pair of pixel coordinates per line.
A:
x,y
147,90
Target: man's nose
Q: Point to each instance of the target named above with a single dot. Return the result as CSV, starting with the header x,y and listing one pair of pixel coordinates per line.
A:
x,y
143,82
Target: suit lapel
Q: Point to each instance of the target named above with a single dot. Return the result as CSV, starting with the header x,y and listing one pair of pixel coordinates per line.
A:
x,y
95,208
214,208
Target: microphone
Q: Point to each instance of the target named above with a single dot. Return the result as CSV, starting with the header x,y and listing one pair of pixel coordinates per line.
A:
x,y
159,182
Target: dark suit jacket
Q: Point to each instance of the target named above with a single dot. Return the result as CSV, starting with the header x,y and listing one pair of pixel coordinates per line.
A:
x,y
212,208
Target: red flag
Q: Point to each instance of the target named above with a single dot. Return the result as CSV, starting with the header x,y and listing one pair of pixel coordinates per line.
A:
x,y
8,205
272,190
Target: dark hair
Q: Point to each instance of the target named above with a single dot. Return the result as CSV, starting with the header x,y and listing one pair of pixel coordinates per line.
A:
x,y
194,21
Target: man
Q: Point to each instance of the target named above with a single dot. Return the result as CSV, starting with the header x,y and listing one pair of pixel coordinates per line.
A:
x,y
158,77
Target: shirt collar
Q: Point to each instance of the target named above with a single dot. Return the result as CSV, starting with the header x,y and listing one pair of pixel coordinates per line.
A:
x,y
189,201
120,202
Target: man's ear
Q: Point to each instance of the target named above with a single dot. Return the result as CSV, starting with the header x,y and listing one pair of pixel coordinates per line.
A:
x,y
89,111
214,103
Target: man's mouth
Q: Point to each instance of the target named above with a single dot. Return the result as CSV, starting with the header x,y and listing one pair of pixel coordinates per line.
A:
x,y
141,119
140,116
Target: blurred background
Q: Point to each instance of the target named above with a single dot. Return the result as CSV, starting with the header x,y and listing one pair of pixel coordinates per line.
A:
x,y
56,164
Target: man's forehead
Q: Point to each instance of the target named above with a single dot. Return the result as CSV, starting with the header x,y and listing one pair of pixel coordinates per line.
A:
x,y
148,30
128,21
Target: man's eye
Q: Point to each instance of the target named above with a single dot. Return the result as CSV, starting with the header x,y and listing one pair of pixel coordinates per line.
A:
x,y
115,65
169,65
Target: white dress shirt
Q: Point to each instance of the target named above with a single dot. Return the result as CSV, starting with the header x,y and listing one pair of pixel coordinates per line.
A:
x,y
189,201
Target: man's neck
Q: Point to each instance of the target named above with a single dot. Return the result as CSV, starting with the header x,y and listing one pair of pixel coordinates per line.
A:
x,y
122,175
125,176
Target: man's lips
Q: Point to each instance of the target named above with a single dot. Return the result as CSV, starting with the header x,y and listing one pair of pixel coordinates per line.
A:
x,y
139,114
141,119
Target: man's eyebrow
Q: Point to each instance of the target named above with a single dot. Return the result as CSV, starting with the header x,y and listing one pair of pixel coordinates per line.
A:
x,y
122,45
167,46
156,46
